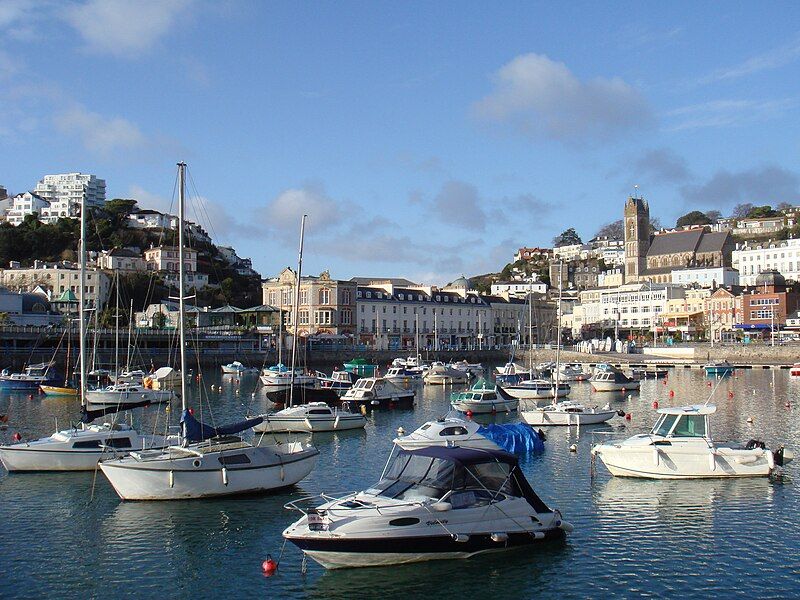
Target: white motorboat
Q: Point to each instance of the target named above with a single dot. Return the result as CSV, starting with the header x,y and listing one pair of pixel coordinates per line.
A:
x,y
441,374
312,417
482,399
280,377
237,368
131,376
610,379
377,392
474,369
123,393
431,503
210,461
680,446
568,412
338,380
402,376
163,378
571,372
535,389
449,431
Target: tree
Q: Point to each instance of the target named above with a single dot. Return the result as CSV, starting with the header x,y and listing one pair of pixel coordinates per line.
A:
x,y
760,212
783,206
614,230
159,320
655,224
741,210
714,215
567,238
694,217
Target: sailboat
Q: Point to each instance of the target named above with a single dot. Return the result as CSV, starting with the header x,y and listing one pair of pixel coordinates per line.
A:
x,y
80,447
68,389
209,461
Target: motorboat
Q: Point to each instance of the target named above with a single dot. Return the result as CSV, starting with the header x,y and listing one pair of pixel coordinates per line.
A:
x,y
402,376
131,376
474,369
512,368
80,447
279,377
721,367
794,371
163,378
651,372
377,392
482,398
122,393
312,417
360,367
517,438
237,368
571,372
338,380
568,412
680,446
209,461
442,374
610,379
535,389
431,503
30,379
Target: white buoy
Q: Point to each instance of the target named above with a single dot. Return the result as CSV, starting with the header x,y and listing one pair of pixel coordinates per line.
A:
x,y
401,431
749,419
573,448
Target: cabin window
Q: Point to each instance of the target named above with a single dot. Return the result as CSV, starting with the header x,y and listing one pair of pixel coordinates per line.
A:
x,y
119,442
690,426
663,426
234,459
319,411
453,431
87,444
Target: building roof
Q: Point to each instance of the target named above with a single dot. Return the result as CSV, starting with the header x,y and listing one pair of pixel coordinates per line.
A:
x,y
374,280
675,242
124,252
713,241
770,277
262,308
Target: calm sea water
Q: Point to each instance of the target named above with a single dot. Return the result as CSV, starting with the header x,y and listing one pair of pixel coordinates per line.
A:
x,y
68,535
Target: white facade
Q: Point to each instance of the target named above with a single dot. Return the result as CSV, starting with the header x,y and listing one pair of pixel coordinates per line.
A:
x,y
612,256
67,191
121,260
23,205
152,219
782,255
165,258
706,277
572,252
518,288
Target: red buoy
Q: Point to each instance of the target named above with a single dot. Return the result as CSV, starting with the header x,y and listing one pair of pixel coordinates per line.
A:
x,y
16,437
655,404
469,414
709,384
730,394
269,566
191,411
628,416
672,393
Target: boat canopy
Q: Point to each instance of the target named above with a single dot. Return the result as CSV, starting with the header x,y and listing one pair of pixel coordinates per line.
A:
x,y
694,409
195,431
517,438
87,416
434,470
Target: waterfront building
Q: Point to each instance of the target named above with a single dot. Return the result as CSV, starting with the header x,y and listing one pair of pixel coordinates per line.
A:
x,y
706,277
23,308
686,315
518,288
653,257
720,311
121,259
766,305
751,258
67,192
327,306
24,204
55,279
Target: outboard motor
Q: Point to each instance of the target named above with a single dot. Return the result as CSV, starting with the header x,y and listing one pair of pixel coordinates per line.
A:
x,y
753,444
783,456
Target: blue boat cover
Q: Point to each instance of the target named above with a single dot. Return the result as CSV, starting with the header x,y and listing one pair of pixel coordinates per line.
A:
x,y
516,438
195,431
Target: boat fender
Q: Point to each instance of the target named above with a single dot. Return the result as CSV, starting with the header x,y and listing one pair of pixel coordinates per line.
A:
x,y
172,479
568,527
269,566
712,461
655,456
336,422
539,535
499,537
753,444
224,476
308,424
282,473
460,537
363,410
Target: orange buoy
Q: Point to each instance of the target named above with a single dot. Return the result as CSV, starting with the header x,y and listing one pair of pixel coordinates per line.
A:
x,y
269,566
708,384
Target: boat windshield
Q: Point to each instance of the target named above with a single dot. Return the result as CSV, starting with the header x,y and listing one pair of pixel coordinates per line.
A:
x,y
364,384
690,426
664,425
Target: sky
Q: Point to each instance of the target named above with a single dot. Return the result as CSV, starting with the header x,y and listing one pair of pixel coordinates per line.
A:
x,y
423,140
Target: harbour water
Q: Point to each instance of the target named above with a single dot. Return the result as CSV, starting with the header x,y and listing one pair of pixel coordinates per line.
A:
x,y
68,535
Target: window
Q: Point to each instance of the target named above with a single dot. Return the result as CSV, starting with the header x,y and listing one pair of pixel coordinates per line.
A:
x,y
664,424
303,317
303,296
347,297
234,459
690,426
346,316
323,317
324,296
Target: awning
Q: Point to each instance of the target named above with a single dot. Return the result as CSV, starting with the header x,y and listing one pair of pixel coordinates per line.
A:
x,y
751,326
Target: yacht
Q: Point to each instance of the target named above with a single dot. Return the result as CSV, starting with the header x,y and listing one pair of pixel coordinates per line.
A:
x,y
482,399
571,372
568,412
402,376
279,377
534,389
442,374
610,379
312,418
377,392
680,446
516,438
431,503
338,380
31,378
122,393
237,368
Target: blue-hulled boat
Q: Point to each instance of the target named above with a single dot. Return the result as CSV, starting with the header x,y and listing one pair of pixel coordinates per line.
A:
x,y
719,368
30,379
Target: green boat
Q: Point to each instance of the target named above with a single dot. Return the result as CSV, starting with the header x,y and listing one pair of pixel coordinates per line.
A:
x,y
360,367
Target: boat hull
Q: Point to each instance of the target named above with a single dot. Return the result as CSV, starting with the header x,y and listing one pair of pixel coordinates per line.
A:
x,y
309,424
53,390
102,399
614,386
549,417
489,406
529,393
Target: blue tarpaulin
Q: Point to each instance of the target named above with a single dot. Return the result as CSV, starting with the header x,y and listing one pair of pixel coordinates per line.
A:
x,y
517,438
195,431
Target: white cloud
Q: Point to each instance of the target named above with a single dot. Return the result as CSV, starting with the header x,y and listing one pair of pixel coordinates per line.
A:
x,y
99,134
458,203
121,27
763,185
773,59
726,113
285,211
542,98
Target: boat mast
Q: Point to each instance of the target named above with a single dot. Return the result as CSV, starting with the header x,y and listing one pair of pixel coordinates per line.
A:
x,y
181,299
296,311
116,329
81,305
130,331
530,332
558,333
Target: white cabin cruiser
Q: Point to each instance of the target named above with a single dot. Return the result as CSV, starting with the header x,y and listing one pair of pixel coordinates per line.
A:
x,y
377,392
442,374
338,380
568,412
449,431
237,368
279,377
474,369
680,446
431,503
312,417
571,372
483,399
535,389
610,379
402,376
123,393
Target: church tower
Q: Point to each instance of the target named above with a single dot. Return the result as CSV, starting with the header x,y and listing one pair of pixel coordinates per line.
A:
x,y
637,238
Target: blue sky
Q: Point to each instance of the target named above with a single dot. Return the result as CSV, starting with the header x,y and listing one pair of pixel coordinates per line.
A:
x,y
424,140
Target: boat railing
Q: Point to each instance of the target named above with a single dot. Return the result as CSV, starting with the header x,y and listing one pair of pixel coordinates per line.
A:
x,y
599,437
296,504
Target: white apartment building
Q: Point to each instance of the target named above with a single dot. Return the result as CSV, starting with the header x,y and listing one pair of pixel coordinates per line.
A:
x,y
56,279
706,277
152,219
121,259
572,252
65,192
518,288
752,258
23,205
165,258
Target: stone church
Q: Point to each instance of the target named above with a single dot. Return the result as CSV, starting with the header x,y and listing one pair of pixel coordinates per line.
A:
x,y
653,256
